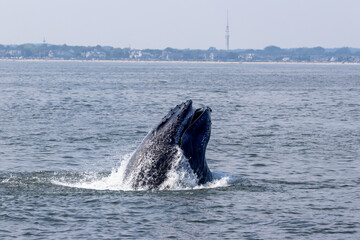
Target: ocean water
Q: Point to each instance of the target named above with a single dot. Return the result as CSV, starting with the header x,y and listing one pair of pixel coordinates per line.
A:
x,y
284,149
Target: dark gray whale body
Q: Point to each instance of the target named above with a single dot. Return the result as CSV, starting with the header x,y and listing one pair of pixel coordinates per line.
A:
x,y
184,129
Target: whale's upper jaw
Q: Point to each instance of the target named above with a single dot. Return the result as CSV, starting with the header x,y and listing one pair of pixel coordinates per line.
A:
x,y
176,116
174,123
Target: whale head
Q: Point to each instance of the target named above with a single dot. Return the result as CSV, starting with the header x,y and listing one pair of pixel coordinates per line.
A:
x,y
183,128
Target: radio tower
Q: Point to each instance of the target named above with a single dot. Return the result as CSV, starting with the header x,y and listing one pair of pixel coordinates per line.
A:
x,y
227,31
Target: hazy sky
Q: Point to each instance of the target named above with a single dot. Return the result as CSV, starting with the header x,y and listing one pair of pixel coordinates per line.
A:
x,y
182,23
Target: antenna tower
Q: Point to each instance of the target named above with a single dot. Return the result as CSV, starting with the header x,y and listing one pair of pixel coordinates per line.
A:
x,y
227,31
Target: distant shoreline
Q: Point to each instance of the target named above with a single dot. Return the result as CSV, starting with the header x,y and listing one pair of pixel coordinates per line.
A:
x,y
270,54
172,62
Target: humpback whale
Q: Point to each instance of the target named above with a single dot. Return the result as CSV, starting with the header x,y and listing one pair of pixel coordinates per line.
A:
x,y
183,129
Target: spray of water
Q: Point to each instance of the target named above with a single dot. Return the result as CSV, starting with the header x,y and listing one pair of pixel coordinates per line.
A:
x,y
179,177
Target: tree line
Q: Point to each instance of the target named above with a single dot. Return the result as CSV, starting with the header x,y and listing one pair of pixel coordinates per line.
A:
x,y
270,53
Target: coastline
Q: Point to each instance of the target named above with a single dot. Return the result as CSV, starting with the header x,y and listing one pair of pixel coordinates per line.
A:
x,y
172,62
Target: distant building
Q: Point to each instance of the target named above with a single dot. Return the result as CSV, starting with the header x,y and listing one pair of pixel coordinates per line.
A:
x,y
227,32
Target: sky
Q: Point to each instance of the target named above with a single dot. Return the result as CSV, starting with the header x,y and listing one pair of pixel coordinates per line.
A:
x,y
195,24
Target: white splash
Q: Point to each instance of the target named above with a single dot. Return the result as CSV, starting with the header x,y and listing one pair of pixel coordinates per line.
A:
x,y
179,177
114,181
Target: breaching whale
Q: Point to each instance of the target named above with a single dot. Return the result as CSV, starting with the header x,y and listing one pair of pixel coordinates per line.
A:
x,y
183,129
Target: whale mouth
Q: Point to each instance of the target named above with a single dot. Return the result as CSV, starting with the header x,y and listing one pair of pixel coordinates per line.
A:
x,y
198,112
196,116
